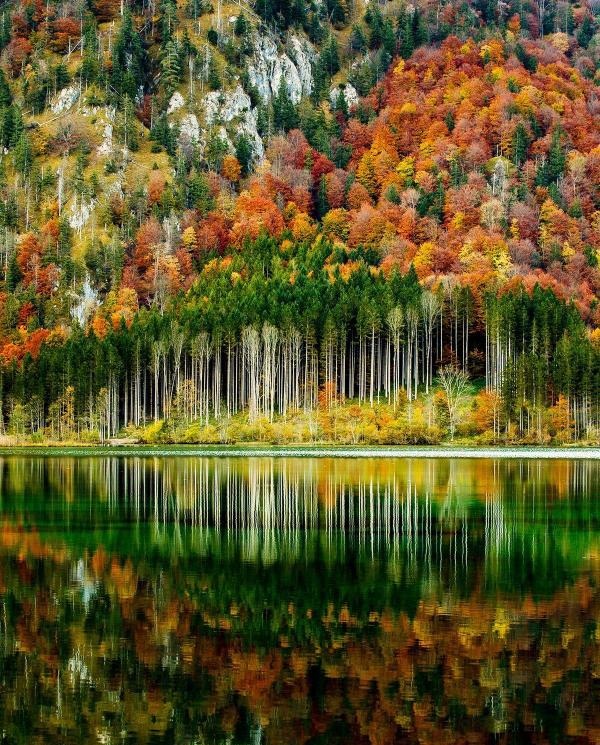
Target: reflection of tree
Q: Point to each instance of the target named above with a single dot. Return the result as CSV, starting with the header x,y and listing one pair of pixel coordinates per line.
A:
x,y
168,653
336,599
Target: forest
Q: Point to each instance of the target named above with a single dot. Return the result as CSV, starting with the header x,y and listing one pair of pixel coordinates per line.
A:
x,y
403,250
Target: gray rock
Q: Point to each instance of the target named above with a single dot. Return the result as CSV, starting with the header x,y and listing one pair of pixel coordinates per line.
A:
x,y
268,68
223,106
80,213
175,103
350,94
234,108
64,100
303,56
189,128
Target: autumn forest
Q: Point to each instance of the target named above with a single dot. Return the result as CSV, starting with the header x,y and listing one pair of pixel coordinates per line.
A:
x,y
391,237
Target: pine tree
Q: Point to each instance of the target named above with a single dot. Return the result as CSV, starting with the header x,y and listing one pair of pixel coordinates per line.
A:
x,y
358,41
23,155
554,165
171,67
374,20
199,195
4,29
329,57
406,42
520,144
243,152
5,94
168,21
125,125
322,205
419,30
338,12
586,31
90,66
285,116
130,66
13,275
388,39
241,26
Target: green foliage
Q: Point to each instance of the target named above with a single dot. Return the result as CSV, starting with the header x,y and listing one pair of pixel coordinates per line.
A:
x,y
11,126
329,57
164,134
586,30
171,67
126,129
129,60
520,144
285,115
553,165
244,153
199,195
5,92
23,155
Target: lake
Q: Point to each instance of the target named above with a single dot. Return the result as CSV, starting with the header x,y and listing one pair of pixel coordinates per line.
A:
x,y
157,599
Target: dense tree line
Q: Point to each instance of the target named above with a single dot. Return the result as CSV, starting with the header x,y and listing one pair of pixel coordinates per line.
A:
x,y
297,334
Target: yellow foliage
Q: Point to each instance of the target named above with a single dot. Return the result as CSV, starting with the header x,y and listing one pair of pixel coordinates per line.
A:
x,y
406,169
336,224
427,148
423,261
559,40
595,337
188,238
408,108
458,221
303,228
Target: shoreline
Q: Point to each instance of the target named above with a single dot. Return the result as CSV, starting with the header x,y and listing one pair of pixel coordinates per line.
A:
x,y
568,452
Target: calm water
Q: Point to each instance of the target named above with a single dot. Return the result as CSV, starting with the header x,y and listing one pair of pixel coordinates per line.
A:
x,y
254,600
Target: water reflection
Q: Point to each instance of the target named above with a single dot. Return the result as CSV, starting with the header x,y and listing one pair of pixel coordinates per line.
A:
x,y
199,600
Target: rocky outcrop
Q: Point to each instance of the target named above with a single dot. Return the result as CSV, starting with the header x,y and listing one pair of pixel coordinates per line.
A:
x,y
234,108
80,213
106,146
64,99
85,303
106,119
189,128
303,56
231,112
176,102
268,68
350,94
221,106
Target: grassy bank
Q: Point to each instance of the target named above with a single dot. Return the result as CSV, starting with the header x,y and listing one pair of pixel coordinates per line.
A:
x,y
303,451
478,423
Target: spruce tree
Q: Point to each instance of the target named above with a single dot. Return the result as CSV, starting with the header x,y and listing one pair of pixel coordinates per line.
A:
x,y
170,67
285,116
329,58
243,152
520,144
322,205
13,274
586,31
5,94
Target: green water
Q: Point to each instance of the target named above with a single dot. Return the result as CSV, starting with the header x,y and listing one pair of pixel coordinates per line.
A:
x,y
150,599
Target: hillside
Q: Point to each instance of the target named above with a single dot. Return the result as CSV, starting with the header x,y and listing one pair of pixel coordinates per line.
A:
x,y
300,222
